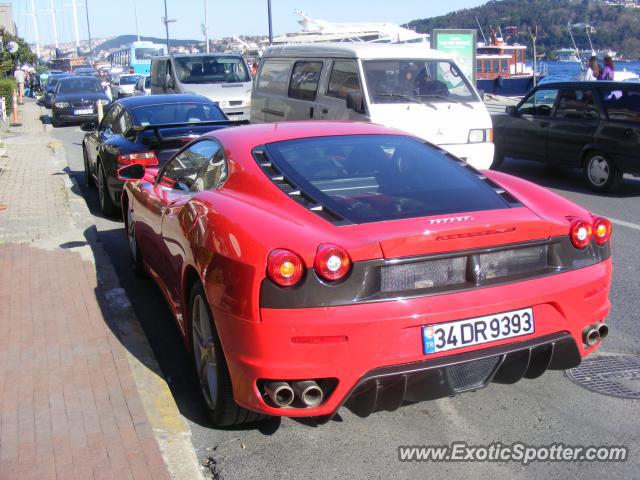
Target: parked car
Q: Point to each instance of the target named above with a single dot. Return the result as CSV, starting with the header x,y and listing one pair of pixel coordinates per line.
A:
x,y
50,87
143,86
75,99
123,85
314,265
146,130
410,87
87,72
223,78
594,126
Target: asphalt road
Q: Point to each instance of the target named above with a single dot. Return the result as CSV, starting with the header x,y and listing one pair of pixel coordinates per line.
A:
x,y
551,409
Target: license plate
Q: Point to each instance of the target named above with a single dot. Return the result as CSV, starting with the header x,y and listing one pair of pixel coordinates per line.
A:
x,y
83,111
442,337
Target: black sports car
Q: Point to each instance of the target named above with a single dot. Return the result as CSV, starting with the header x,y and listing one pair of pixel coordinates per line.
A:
x,y
146,130
75,99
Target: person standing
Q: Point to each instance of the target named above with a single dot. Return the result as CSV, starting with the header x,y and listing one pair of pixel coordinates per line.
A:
x,y
19,76
609,69
593,69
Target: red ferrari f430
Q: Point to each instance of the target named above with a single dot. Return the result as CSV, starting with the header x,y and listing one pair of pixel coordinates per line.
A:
x,y
312,266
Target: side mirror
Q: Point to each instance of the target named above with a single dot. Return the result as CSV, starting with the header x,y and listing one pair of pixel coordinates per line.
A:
x,y
510,109
89,126
135,171
355,101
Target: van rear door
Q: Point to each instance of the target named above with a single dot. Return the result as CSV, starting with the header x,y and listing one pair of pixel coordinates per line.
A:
x,y
331,101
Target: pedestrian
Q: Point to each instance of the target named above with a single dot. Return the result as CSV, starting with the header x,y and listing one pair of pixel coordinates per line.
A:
x,y
19,76
609,69
593,69
254,69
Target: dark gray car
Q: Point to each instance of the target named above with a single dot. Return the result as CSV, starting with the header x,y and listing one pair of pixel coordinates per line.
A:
x,y
594,126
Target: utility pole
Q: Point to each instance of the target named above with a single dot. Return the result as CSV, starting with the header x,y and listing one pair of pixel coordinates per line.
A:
x,y
270,27
53,24
86,7
75,22
135,14
35,26
206,28
167,21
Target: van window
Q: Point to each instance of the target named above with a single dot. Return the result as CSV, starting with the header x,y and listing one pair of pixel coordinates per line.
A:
x,y
273,77
416,80
344,79
304,80
158,73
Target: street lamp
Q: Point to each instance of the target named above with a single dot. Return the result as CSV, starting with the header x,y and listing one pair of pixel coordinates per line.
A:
x,y
166,20
270,28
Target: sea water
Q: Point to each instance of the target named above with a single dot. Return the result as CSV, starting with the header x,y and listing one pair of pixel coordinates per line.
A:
x,y
565,71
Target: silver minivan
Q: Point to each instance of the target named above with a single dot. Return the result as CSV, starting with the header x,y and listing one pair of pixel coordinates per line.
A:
x,y
223,78
409,87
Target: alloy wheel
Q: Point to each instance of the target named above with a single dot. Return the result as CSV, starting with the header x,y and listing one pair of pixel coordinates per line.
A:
x,y
598,170
204,351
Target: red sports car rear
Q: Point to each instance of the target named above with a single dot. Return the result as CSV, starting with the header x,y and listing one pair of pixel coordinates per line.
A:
x,y
314,266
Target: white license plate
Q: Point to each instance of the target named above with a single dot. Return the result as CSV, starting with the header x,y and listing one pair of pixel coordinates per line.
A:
x,y
83,111
442,337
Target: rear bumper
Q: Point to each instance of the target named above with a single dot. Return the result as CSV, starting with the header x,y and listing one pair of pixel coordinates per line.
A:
x,y
478,155
366,342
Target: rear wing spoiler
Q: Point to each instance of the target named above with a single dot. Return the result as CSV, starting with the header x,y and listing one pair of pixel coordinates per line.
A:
x,y
156,128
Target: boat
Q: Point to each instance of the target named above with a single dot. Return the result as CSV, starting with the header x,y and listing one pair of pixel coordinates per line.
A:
x,y
568,55
501,69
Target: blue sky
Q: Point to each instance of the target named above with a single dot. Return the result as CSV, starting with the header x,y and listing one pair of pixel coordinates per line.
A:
x,y
226,17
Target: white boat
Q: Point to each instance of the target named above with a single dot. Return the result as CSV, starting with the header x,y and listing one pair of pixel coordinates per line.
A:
x,y
567,55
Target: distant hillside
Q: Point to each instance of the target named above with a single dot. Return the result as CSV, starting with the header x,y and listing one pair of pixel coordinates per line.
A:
x,y
123,40
617,27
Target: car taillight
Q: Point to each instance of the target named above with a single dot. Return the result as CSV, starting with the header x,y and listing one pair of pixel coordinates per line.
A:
x,y
581,233
143,158
601,230
284,267
331,262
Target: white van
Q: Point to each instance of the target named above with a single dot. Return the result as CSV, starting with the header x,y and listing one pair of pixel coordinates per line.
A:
x,y
223,78
409,87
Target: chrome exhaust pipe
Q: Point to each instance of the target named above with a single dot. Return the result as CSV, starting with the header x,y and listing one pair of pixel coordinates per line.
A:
x,y
603,330
590,336
308,392
280,393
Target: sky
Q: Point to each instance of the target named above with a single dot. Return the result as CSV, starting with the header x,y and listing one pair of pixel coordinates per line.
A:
x,y
225,17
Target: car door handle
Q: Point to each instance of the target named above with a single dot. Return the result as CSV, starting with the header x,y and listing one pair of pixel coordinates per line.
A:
x,y
325,111
544,124
311,112
628,132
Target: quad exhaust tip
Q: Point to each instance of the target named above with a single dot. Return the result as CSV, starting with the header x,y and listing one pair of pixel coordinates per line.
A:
x,y
308,392
280,393
590,335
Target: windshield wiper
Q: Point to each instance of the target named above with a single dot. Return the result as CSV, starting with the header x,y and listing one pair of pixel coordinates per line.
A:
x,y
448,99
404,97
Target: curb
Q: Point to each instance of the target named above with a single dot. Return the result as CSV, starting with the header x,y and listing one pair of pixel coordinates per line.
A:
x,y
169,427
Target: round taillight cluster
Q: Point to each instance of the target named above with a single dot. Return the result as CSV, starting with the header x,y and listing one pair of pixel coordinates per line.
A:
x,y
332,262
581,233
601,230
286,269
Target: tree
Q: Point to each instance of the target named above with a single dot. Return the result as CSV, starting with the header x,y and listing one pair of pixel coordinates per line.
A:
x,y
8,61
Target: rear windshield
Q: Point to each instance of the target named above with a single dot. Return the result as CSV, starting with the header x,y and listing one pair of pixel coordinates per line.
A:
x,y
371,178
129,79
184,112
211,69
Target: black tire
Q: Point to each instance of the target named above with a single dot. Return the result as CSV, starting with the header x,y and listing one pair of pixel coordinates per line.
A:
x,y
88,178
134,246
498,159
55,121
223,410
600,173
107,207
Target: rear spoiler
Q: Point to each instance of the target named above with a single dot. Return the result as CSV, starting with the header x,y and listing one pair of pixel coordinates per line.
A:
x,y
156,128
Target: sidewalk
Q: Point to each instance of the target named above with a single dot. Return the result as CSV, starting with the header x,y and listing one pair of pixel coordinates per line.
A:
x,y
70,405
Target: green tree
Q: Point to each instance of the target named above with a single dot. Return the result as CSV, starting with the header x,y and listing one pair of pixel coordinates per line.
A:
x,y
8,61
